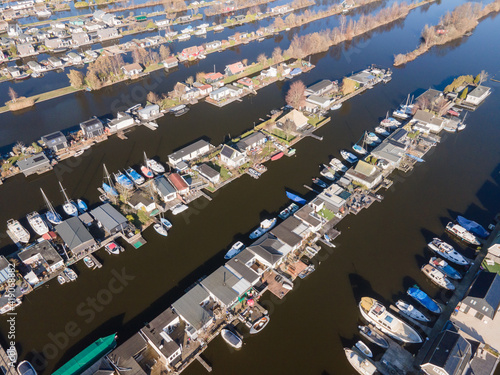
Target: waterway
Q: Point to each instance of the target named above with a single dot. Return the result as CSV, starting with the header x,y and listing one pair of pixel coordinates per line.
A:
x,y
379,252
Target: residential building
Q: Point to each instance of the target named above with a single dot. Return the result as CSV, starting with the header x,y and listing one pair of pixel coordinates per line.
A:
x,y
319,88
225,287
269,73
333,198
55,62
139,201
149,112
13,71
296,117
245,266
246,83
221,93
129,357
251,141
164,189
308,215
269,251
434,123
188,153
92,128
393,148
170,62
232,158
132,69
42,253
55,141
365,174
477,95
315,101
14,30
203,90
291,232
35,67
214,44
234,69
108,33
191,53
110,219
56,43
363,78
180,185
214,78
208,173
26,49
80,39
76,237
38,163
122,121
74,58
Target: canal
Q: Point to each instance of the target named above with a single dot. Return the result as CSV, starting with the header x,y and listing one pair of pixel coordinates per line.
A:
x,y
379,252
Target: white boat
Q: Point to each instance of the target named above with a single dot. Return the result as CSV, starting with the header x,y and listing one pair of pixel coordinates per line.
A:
x,y
69,206
336,106
259,325
202,56
410,310
25,368
72,276
437,276
178,208
374,336
19,232
43,13
184,37
461,126
446,268
363,348
89,262
203,26
462,233
359,149
373,138
390,122
362,365
154,165
400,114
231,338
61,279
113,248
160,229
374,312
380,130
199,32
265,225
327,173
447,251
36,222
338,166
351,158
218,28
235,250
52,216
287,284
134,176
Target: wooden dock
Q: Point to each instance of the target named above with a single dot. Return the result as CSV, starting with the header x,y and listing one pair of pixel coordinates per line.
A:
x,y
204,363
96,262
6,365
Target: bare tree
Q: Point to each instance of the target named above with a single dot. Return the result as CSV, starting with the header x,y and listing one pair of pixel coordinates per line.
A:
x,y
244,62
289,128
277,54
190,81
75,78
200,77
483,76
164,52
296,95
18,148
262,59
153,98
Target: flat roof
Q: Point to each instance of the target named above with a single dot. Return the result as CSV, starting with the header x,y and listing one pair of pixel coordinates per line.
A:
x,y
108,216
44,249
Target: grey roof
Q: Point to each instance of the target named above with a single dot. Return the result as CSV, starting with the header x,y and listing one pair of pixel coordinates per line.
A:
x,y
189,308
398,135
228,151
148,109
238,266
207,171
4,271
483,363
319,100
75,235
189,149
220,283
54,139
108,216
307,215
320,86
284,231
36,161
479,91
164,186
250,141
138,197
485,291
268,248
91,125
157,335
362,77
46,251
449,352
125,354
389,150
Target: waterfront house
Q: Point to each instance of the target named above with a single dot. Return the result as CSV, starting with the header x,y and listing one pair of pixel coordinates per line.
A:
x,y
308,215
109,218
25,38
314,101
35,66
25,49
194,308
225,287
74,58
271,72
365,174
130,358
208,173
432,122
14,30
92,128
80,39
4,25
55,62
363,78
180,185
76,237
291,232
5,270
183,19
139,201
38,163
232,158
162,23
164,189
245,266
92,27
269,251
478,95
56,43
190,152
221,94
203,89
391,150
246,83
131,70
108,33
214,44
13,71
295,116
55,141
332,198
234,91
319,88
79,21
170,62
149,112
41,256
122,121
234,69
191,53
251,142
98,14
280,9
214,79
2,56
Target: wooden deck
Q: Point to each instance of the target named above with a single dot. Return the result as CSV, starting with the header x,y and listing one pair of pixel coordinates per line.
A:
x,y
274,286
6,366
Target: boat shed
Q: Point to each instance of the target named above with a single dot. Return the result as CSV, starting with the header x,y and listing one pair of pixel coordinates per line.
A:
x,y
42,252
55,141
190,152
92,128
38,163
363,78
110,218
478,95
166,191
225,287
76,237
149,112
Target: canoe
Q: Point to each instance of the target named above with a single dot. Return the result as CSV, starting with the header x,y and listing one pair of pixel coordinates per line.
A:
x,y
259,325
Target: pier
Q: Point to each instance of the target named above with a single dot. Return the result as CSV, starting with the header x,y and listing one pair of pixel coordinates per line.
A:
x,y
204,363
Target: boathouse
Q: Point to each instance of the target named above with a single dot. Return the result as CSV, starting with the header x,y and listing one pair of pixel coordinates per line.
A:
x,y
170,62
478,95
208,173
180,185
76,237
319,88
366,174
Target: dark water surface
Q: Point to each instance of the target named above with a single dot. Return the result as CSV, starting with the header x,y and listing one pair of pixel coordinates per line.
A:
x,y
379,252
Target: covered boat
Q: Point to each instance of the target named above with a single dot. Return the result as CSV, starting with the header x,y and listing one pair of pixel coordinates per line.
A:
x,y
421,297
410,310
231,338
473,227
442,265
134,176
362,365
437,276
351,158
296,198
462,233
277,156
447,251
25,368
327,173
82,206
374,336
124,181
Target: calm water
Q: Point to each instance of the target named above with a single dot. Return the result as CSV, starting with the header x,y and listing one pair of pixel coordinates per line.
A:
x,y
379,252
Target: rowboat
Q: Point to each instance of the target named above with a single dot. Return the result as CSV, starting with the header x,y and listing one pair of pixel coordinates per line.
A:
x,y
259,325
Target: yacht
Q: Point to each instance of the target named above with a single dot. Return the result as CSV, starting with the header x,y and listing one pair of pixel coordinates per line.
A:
x,y
265,226
69,206
154,165
338,166
374,312
235,250
462,233
390,122
447,251
442,265
36,222
19,232
437,277
362,365
348,156
410,311
380,130
178,208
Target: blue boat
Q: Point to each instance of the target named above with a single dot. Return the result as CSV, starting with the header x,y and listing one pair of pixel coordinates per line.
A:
x,y
421,297
124,181
296,198
134,176
82,206
442,265
296,72
53,217
109,190
167,224
473,227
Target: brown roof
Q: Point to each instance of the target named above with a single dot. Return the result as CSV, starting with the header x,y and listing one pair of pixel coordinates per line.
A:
x,y
134,66
178,182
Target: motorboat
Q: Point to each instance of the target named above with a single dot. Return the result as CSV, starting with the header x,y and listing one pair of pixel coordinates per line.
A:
x,y
362,365
78,153
380,130
154,165
265,226
135,176
363,348
277,156
320,183
178,208
113,248
373,138
124,181
183,37
351,158
359,149
307,271
231,338
421,297
36,222
289,211
61,279
336,106
70,274
235,250
390,122
25,368
400,114
160,229
19,233
410,311
462,233
437,276
453,113
376,313
82,206
200,32
327,173
69,206
287,284
447,251
167,224
218,28
373,335
259,325
473,227
338,166
89,262
442,265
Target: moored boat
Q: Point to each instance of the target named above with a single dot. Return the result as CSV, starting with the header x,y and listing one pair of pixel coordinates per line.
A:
x,y
287,212
410,310
52,216
462,233
421,297
19,232
147,172
373,138
359,149
154,165
327,173
265,226
307,271
112,248
390,122
69,206
60,279
320,183
234,250
376,313
437,277
363,348
277,156
336,106
259,325
82,206
36,222
71,275
160,229
362,365
89,262
25,368
400,114
442,265
380,130
351,158
124,181
134,176
178,208
231,338
447,251
338,166
374,336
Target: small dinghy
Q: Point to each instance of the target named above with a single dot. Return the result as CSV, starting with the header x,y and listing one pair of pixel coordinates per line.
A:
x,y
89,262
373,336
82,206
363,348
259,325
61,279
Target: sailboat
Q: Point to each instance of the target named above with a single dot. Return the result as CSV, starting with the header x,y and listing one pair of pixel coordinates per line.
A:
x,y
408,106
124,181
69,206
372,138
134,176
360,149
52,216
154,165
107,184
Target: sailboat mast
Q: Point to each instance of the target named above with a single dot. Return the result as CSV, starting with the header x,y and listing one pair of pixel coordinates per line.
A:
x,y
64,193
106,175
47,202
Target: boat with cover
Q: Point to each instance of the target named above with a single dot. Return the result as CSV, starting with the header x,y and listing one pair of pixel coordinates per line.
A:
x,y
362,365
338,166
473,227
178,208
154,165
160,229
376,313
52,216
320,183
19,232
462,233
363,348
410,311
437,276
234,250
421,297
69,206
265,226
124,181
287,212
25,368
36,222
380,130
112,248
107,184
447,251
374,336
72,276
82,206
259,325
442,265
351,158
134,176
231,338
89,262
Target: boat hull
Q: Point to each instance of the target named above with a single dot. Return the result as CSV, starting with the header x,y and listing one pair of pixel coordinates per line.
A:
x,y
259,325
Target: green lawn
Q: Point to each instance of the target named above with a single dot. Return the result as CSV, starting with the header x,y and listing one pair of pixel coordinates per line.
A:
x,y
493,268
225,174
315,120
327,214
